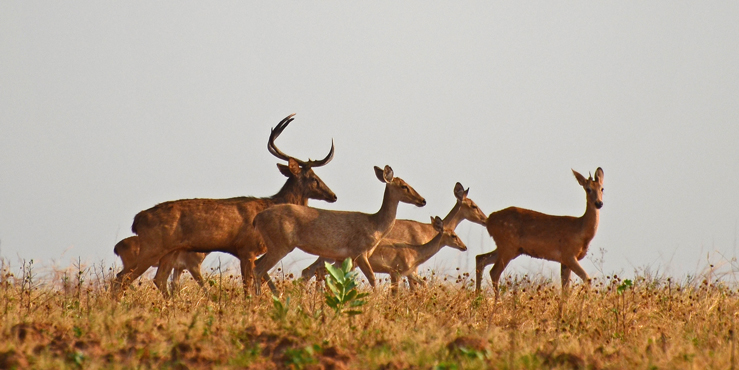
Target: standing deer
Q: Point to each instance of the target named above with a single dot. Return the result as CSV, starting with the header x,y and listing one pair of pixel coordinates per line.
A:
x,y
562,239
128,250
415,232
331,234
402,259
223,225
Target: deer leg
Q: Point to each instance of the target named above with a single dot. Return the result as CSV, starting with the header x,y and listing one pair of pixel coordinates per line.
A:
x,y
564,275
364,265
247,274
148,256
247,271
127,269
195,272
578,270
166,264
174,283
394,277
495,273
482,261
414,280
311,270
263,265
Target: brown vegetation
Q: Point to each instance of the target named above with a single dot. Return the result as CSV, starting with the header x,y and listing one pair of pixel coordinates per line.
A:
x,y
68,320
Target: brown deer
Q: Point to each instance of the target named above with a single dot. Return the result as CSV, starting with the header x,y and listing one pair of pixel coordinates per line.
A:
x,y
223,225
562,239
402,259
128,250
415,232
332,234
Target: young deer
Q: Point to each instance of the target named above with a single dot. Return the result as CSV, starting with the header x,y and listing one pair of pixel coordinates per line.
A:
x,y
415,232
128,250
332,234
402,259
222,225
562,239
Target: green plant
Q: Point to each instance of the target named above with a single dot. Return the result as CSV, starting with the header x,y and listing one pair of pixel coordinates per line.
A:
x,y
280,310
343,296
625,285
300,357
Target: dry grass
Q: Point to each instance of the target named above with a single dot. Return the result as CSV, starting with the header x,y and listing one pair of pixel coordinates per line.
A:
x,y
68,320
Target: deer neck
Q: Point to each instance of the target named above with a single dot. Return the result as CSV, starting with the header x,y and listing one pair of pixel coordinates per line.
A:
x,y
453,218
384,219
424,252
589,220
290,193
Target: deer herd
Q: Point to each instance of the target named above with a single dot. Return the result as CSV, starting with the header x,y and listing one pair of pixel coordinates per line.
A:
x,y
177,235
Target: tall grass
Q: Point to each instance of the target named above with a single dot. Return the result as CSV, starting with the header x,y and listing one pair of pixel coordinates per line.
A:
x,y
67,319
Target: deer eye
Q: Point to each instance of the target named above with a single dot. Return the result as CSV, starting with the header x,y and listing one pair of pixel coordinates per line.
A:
x,y
602,190
404,187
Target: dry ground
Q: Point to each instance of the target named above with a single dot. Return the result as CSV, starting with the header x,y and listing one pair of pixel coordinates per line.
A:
x,y
68,320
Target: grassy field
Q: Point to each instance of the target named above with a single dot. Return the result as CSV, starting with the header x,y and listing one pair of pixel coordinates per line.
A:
x,y
68,320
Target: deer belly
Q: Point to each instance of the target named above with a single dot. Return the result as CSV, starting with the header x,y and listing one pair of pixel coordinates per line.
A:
x,y
338,254
541,253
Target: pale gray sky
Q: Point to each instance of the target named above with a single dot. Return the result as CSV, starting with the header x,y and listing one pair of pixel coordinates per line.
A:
x,y
107,109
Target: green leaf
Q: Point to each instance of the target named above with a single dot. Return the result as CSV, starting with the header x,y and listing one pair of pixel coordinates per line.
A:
x,y
347,265
357,303
337,274
350,295
334,289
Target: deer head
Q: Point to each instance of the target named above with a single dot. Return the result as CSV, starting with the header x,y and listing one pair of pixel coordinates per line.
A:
x,y
448,236
593,187
468,209
398,188
301,171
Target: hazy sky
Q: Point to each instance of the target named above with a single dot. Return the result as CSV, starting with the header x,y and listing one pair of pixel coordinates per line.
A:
x,y
107,109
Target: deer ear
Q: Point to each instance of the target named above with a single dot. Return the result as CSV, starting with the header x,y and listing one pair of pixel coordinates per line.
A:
x,y
378,173
599,175
438,223
284,170
459,191
385,175
580,178
294,166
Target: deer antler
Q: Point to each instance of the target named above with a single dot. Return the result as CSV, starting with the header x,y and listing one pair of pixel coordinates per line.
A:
x,y
275,132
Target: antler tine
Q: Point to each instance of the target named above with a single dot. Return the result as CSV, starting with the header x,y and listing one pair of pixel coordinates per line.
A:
x,y
323,161
274,133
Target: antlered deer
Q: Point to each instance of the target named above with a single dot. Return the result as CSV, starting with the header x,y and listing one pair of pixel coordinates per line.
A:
x,y
128,250
402,259
415,232
331,234
562,239
223,225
